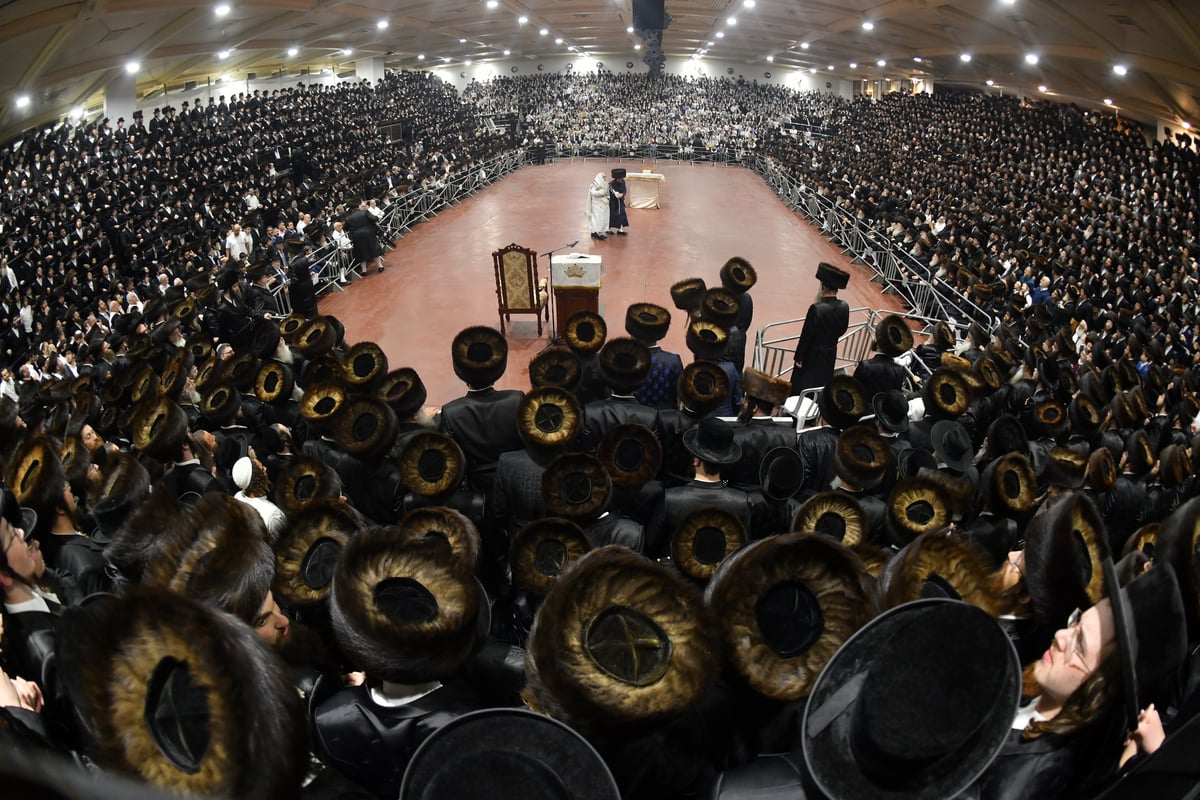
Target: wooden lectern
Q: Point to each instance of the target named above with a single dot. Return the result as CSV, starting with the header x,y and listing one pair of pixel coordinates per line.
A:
x,y
575,280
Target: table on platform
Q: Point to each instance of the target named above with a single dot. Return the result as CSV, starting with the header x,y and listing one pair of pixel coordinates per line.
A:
x,y
643,189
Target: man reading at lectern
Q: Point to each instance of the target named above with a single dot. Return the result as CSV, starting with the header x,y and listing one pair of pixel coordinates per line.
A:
x,y
597,207
826,321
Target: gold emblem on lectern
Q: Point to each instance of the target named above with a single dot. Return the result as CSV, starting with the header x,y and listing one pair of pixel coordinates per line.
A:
x,y
574,270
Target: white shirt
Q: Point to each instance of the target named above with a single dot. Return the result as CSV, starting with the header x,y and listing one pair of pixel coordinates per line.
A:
x,y
1027,714
272,516
391,694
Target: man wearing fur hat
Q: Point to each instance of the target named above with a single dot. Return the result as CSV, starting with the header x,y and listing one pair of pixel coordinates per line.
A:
x,y
881,373
757,430
625,364
825,322
648,323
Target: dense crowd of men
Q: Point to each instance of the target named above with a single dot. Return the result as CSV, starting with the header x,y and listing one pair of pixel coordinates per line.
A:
x,y
242,557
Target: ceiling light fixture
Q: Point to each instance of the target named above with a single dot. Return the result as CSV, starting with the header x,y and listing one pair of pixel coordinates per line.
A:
x,y
748,3
813,70
918,59
522,20
23,101
868,25
420,56
1108,101
382,24
853,65
720,34
965,58
222,9
881,63
629,29
223,54
695,56
804,45
508,52
76,112
708,44
1043,88
468,62
637,47
493,3
1031,58
991,82
831,67
544,32
292,51
347,51
558,40
1187,126
132,67
770,59
462,40
1120,69
731,21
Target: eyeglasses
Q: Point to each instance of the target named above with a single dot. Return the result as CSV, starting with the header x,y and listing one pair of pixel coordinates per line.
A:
x,y
1075,646
18,536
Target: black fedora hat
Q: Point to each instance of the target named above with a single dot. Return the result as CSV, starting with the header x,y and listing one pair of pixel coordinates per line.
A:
x,y
688,294
721,306
834,514
549,417
585,332
431,464
542,550
842,401
403,390
366,427
891,410
307,551
784,606
264,337
631,454
952,445
625,364
274,383
781,473
946,394
450,529
557,367
707,340
861,457
831,276
935,686
526,754
364,365
647,322
702,386
576,486
893,337
711,440
738,276
916,506
480,356
705,538
620,640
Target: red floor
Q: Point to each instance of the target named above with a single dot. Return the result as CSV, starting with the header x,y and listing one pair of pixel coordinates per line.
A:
x,y
440,279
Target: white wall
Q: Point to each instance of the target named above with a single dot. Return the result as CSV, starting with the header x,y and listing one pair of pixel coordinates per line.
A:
x,y
460,75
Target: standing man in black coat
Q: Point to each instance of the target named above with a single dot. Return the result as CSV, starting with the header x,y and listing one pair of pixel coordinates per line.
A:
x,y
826,321
363,231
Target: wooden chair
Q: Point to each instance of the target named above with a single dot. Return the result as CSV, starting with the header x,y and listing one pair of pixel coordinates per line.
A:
x,y
519,290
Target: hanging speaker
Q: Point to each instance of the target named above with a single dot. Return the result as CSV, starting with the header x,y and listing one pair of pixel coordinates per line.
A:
x,y
649,15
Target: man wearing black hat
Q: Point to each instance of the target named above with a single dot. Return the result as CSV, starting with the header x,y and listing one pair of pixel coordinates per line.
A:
x,y
825,322
618,219
713,449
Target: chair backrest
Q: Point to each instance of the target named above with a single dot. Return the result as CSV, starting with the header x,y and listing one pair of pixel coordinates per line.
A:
x,y
516,276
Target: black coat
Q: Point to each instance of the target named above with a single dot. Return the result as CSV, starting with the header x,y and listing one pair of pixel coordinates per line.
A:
x,y
517,493
826,321
364,235
757,437
602,416
879,373
816,447
679,501
484,423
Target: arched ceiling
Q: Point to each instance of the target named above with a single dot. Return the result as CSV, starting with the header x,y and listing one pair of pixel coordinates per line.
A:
x,y
62,53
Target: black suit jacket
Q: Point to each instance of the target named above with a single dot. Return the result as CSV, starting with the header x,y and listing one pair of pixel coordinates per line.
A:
x,y
484,423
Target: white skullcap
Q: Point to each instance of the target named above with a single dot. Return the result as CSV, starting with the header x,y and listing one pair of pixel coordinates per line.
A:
x,y
243,469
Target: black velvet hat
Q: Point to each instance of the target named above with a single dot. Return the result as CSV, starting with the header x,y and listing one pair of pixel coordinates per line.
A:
x,y
549,417
891,410
274,382
576,486
705,538
480,356
291,326
316,338
557,367
861,457
711,440
585,332
842,402
707,340
618,641
781,473
431,464
647,322
403,390
836,515
542,550
308,550
702,386
264,337
893,337
1065,468
631,454
914,705
625,364
524,754
688,294
364,366
784,606
831,276
952,445
738,276
240,370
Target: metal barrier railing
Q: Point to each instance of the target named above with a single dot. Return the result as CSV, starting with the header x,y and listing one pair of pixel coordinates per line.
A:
x,y
775,343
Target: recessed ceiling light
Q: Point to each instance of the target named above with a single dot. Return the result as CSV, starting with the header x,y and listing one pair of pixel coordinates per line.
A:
x,y
132,67
804,45
637,47
508,52
1010,2
292,51
23,101
629,29
831,67
1108,101
1042,88
748,3
462,40
223,54
881,62
918,59
708,44
731,21
868,25
853,65
382,24
544,32
720,34
1031,58
964,57
522,20
1120,69
558,40
222,9
991,82
493,3
420,56
770,59
347,51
